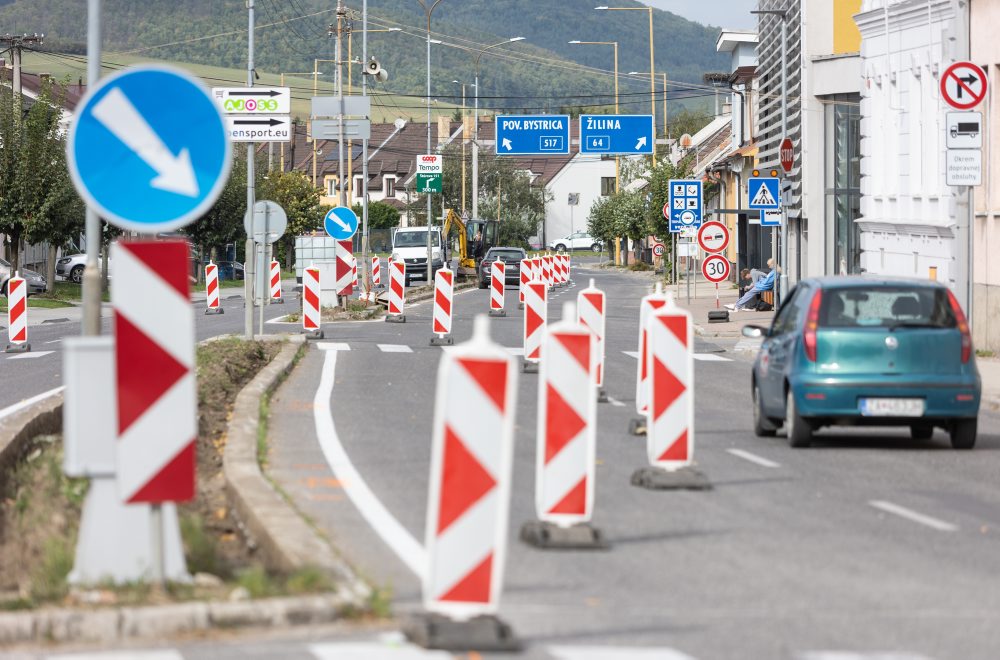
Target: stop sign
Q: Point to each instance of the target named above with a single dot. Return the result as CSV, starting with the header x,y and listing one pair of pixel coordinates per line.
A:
x,y
787,154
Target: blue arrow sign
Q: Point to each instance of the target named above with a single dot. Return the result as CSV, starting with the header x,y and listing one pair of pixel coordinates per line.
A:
x,y
685,204
764,192
341,223
616,134
148,149
532,135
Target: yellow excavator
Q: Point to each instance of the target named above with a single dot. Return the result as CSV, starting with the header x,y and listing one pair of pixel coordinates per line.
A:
x,y
471,250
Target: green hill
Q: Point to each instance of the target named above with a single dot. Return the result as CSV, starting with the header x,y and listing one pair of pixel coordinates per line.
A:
x,y
542,73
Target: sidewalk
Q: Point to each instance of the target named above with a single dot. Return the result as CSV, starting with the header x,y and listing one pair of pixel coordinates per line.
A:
x,y
989,371
703,302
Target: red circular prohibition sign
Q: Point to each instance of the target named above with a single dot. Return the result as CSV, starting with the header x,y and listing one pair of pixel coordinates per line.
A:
x,y
963,75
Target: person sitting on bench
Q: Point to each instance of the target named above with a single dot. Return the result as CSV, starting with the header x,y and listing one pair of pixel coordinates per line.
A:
x,y
765,283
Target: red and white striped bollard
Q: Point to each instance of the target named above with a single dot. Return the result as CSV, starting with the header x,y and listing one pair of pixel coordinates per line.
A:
x,y
310,303
212,290
498,279
17,315
376,272
444,297
536,298
276,283
525,276
397,292
647,306
591,313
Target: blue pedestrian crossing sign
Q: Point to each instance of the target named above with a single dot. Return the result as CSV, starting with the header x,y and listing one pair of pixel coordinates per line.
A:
x,y
764,192
341,223
684,204
616,134
148,149
532,135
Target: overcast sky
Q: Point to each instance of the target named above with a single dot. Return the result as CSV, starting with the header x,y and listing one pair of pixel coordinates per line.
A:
x,y
723,13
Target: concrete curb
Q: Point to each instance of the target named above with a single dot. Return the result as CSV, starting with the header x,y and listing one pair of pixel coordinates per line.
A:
x,y
285,540
41,417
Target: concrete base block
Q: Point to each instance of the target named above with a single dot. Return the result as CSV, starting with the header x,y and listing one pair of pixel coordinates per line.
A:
x,y
395,318
18,348
529,367
497,312
214,310
486,633
718,316
315,334
445,340
637,426
602,395
549,536
686,478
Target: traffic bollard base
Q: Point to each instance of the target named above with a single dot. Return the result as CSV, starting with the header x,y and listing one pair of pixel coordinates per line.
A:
x,y
602,395
314,334
216,310
442,341
18,348
529,367
718,316
549,536
395,318
482,633
685,478
497,312
637,426
520,305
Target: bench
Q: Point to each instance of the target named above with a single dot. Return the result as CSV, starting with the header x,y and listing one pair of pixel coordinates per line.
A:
x,y
768,297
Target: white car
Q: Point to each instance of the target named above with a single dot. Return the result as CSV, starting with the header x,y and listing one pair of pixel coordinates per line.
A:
x,y
71,267
580,240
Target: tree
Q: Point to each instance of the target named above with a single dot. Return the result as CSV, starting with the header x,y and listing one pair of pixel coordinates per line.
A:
x,y
223,223
380,215
294,192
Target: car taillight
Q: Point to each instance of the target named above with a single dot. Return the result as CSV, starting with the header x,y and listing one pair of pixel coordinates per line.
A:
x,y
963,327
812,322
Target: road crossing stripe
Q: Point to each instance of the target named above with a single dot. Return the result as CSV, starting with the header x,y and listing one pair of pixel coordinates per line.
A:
x,y
854,655
914,516
754,458
30,355
332,346
158,654
391,646
711,357
394,348
616,653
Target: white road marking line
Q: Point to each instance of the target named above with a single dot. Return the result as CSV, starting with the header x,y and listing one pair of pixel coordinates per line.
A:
x,y
853,655
390,645
914,516
711,357
397,537
332,346
514,350
394,348
30,355
54,341
632,354
162,654
616,653
615,402
754,458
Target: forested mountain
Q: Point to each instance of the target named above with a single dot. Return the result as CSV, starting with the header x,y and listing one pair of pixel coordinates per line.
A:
x,y
544,72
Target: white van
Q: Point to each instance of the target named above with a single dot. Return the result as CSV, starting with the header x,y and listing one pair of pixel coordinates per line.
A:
x,y
409,244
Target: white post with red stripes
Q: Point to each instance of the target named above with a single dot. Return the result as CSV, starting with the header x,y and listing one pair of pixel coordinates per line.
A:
x,y
568,266
557,270
547,270
536,269
565,453
470,480
212,290
525,277
536,298
397,292
498,279
376,272
670,413
311,319
354,274
276,283
17,315
592,314
344,269
647,306
444,295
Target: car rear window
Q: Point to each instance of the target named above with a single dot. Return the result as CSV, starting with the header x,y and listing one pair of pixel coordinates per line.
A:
x,y
886,307
505,255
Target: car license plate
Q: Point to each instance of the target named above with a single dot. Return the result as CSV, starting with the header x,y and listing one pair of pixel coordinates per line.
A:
x,y
892,407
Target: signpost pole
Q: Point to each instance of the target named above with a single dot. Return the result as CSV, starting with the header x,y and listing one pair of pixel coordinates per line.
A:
x,y
249,255
91,275
783,264
365,261
264,270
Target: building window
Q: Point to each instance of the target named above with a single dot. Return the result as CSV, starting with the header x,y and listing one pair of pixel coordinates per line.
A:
x,y
331,187
607,186
359,190
843,186
390,186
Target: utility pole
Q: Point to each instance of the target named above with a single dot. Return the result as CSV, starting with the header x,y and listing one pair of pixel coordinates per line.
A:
x,y
341,188
15,43
428,10
365,263
250,252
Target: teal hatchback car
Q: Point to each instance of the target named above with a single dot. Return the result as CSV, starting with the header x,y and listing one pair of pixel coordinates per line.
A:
x,y
861,351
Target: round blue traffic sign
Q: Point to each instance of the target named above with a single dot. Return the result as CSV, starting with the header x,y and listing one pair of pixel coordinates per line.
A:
x,y
148,149
341,223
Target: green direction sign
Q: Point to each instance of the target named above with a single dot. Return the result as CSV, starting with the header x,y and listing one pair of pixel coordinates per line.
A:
x,y
428,183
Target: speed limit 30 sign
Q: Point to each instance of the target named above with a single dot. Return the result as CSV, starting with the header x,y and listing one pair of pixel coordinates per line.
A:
x,y
715,268
658,250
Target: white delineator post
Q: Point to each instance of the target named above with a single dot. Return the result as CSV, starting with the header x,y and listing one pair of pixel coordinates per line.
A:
x,y
310,301
569,266
212,289
535,316
276,282
470,481
648,304
376,272
536,269
498,270
547,270
561,268
17,315
397,295
444,294
525,277
591,313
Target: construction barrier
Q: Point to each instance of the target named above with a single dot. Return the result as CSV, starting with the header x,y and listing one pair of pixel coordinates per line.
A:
x,y
17,315
344,270
547,270
567,417
354,272
568,267
397,295
376,272
276,282
498,274
310,300
647,306
670,360
525,275
212,289
444,295
470,479
560,269
536,269
535,316
591,313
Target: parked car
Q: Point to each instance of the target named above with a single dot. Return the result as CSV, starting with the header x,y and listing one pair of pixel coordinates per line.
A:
x,y
511,256
35,281
867,352
230,270
580,240
71,267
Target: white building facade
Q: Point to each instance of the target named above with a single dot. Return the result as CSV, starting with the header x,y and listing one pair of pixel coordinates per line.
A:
x,y
591,177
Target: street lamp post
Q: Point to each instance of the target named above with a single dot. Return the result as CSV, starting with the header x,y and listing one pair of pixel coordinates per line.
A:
x,y
281,145
462,85
428,10
475,130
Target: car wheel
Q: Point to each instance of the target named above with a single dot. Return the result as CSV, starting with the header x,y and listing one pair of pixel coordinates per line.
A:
x,y
921,431
596,247
76,275
797,429
560,247
406,281
763,427
482,284
963,433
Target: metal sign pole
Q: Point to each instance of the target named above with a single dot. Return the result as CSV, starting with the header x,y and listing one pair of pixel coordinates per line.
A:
x,y
91,275
264,266
249,255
